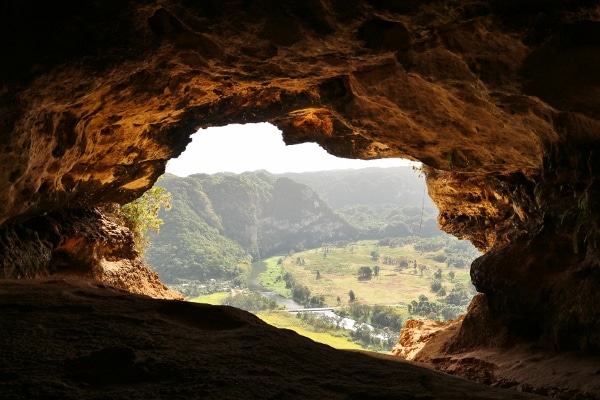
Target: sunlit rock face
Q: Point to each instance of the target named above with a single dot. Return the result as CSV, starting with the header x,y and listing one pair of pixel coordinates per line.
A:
x,y
83,244
500,100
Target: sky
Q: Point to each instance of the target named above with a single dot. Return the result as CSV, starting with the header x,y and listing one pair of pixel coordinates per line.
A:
x,y
251,147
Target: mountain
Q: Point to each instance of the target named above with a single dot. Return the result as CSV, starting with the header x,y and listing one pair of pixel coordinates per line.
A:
x,y
400,186
380,202
218,221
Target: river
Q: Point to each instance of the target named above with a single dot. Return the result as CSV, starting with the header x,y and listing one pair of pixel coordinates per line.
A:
x,y
255,286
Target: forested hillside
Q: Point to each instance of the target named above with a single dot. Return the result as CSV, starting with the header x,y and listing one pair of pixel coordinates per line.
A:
x,y
377,256
400,186
219,223
380,202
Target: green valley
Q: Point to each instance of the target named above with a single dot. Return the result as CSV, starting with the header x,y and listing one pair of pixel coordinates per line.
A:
x,y
365,246
404,272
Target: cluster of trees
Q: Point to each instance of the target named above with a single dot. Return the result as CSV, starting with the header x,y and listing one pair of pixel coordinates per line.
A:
x,y
376,315
393,242
319,322
252,302
459,295
431,244
366,273
448,307
455,253
301,293
376,339
193,288
383,316
437,285
424,307
401,262
383,221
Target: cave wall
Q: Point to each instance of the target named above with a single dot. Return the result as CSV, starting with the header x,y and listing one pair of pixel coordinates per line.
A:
x,y
499,99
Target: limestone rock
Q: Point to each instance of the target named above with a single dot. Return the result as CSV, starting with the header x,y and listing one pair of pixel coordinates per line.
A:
x,y
498,99
92,244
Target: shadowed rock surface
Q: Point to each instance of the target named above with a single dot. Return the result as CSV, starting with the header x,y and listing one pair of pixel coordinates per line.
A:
x,y
499,99
488,355
110,344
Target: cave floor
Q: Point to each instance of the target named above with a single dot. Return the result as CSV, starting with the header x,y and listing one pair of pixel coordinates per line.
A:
x,y
531,367
77,339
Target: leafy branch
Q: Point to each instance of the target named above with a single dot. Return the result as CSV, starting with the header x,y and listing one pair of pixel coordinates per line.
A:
x,y
141,215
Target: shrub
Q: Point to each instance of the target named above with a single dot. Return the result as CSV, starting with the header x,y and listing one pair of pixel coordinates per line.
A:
x,y
436,285
365,273
253,302
142,214
351,295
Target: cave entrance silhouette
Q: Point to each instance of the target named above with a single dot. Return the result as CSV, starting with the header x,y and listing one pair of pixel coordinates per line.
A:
x,y
238,149
251,147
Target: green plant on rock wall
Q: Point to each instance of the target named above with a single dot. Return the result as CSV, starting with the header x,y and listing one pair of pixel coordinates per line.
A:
x,y
141,215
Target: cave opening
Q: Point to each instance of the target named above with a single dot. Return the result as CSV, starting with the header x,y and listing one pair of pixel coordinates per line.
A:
x,y
251,147
356,241
500,100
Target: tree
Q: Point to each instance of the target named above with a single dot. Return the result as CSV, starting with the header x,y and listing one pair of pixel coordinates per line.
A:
x,y
362,333
458,296
438,274
351,295
142,214
383,316
364,273
451,275
452,312
442,291
289,280
374,255
300,293
436,285
424,307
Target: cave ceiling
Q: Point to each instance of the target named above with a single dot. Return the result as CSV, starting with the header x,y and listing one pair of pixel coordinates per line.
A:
x,y
500,100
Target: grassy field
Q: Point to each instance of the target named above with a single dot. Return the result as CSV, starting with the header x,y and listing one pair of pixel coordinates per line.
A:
x,y
337,339
338,270
214,298
271,278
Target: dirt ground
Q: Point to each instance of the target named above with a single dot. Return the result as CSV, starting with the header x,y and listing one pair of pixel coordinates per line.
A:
x,y
526,367
75,339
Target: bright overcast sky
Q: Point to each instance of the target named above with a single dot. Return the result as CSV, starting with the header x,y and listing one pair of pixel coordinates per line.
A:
x,y
250,147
